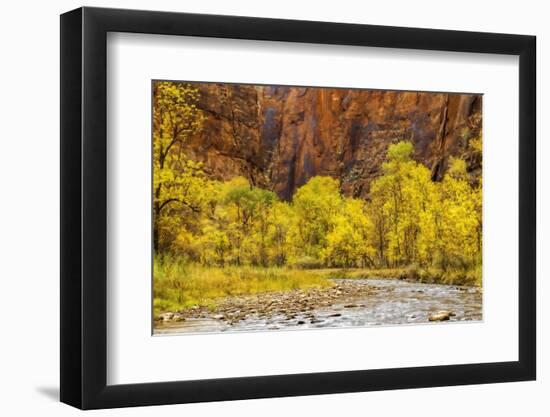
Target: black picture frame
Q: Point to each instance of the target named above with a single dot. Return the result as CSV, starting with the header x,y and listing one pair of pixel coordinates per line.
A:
x,y
84,207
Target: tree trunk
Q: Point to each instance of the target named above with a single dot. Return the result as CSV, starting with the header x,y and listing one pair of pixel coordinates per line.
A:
x,y
156,212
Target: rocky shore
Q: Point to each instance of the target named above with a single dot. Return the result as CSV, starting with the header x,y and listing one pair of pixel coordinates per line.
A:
x,y
347,303
289,304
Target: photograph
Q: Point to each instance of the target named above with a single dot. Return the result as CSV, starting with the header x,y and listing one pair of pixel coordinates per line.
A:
x,y
290,207
268,209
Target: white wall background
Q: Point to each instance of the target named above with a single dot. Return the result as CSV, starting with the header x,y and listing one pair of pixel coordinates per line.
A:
x,y
29,213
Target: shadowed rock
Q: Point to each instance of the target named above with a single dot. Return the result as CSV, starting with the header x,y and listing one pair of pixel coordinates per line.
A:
x,y
441,316
280,137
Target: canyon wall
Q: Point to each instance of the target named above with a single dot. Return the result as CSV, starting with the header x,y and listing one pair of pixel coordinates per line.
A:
x,y
278,137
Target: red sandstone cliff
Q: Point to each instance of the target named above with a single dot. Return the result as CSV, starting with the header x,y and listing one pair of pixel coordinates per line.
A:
x,y
279,137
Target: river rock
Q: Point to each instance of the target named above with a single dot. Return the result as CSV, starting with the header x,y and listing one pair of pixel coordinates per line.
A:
x,y
290,309
441,316
178,317
166,316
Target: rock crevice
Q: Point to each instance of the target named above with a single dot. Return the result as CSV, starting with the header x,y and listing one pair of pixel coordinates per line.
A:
x,y
279,137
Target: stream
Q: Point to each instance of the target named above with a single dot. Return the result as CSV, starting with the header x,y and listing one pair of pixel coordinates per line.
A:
x,y
354,302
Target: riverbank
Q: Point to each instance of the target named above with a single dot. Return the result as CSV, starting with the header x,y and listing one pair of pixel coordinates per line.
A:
x,y
348,302
470,277
179,286
287,303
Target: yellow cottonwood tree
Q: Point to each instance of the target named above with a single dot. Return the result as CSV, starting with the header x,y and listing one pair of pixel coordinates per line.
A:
x,y
282,219
401,194
408,219
178,183
459,226
349,243
315,204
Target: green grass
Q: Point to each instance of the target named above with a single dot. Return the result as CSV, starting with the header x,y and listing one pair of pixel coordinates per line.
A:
x,y
179,285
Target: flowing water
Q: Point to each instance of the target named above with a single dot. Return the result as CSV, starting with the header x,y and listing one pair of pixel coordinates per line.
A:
x,y
391,302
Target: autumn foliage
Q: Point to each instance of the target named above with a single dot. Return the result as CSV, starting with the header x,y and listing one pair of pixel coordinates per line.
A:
x,y
408,219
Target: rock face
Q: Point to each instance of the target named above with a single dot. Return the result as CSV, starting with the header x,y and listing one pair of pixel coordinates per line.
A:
x,y
278,137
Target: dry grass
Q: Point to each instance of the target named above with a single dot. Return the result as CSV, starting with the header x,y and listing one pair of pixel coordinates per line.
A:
x,y
431,275
178,285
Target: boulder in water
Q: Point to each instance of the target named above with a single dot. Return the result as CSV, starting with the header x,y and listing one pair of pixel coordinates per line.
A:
x,y
441,316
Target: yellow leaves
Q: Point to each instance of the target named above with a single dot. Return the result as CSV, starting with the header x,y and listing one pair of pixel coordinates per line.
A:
x,y
457,168
408,219
315,204
400,152
348,241
179,186
458,211
476,144
417,218
320,194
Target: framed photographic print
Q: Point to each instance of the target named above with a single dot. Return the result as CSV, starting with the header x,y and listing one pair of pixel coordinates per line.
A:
x,y
256,208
